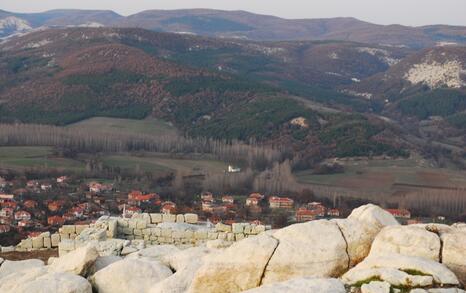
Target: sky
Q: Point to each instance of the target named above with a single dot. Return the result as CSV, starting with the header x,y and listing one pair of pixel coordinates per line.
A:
x,y
406,12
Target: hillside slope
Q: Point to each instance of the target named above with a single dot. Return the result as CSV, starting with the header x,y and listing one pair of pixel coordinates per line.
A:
x,y
206,87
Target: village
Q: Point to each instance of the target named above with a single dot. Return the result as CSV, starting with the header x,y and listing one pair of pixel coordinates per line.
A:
x,y
31,207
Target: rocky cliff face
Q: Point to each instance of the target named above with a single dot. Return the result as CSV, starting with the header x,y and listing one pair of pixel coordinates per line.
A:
x,y
366,252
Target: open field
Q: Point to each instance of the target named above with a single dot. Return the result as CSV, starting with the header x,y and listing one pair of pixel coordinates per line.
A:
x,y
31,157
161,163
387,176
149,126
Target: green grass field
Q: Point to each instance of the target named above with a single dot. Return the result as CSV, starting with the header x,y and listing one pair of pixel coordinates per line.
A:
x,y
383,175
160,163
149,126
32,157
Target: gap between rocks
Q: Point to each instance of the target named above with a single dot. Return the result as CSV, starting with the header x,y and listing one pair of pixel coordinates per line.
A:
x,y
347,246
267,263
437,232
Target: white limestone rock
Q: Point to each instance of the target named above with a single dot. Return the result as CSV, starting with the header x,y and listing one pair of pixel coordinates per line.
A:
x,y
104,261
407,240
237,268
392,276
180,281
130,276
376,287
40,280
156,252
9,267
454,253
77,262
374,217
358,237
315,248
302,285
1,261
440,273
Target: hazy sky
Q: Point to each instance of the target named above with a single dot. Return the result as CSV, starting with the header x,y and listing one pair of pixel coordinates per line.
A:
x,y
408,12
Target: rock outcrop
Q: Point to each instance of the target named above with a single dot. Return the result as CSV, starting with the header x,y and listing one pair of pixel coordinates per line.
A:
x,y
78,262
302,285
130,275
237,268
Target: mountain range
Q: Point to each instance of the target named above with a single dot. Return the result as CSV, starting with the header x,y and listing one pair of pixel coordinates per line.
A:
x,y
240,25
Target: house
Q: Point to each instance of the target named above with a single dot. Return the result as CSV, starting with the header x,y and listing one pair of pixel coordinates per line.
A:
x,y
168,207
254,199
207,206
95,187
333,213
305,215
207,196
7,212
228,199
55,221
128,212
3,182
9,204
5,229
276,202
137,197
25,224
400,213
54,206
77,212
6,197
30,204
62,179
232,169
32,184
22,215
318,208
45,186
69,217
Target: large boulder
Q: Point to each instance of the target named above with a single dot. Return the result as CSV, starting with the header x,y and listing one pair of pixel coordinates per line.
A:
x,y
302,285
392,276
130,276
40,280
237,268
358,237
407,240
315,248
454,253
77,262
185,263
409,264
9,267
374,217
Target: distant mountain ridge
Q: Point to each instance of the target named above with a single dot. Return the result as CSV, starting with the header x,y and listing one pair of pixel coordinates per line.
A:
x,y
246,25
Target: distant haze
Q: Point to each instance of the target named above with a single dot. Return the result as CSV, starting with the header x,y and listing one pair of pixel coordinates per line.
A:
x,y
406,12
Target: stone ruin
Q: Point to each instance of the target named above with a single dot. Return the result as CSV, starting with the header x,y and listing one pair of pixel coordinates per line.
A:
x,y
116,235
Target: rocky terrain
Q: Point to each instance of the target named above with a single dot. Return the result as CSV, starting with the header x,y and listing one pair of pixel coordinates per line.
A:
x,y
245,25
367,252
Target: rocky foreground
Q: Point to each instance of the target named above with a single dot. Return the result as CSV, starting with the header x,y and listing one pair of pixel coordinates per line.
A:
x,y
367,252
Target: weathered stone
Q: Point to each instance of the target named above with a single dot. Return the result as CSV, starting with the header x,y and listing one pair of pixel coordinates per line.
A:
x,y
47,243
247,259
37,242
392,276
375,287
55,239
212,235
222,227
407,240
237,228
80,228
168,218
454,253
239,237
141,224
302,285
325,250
191,218
200,234
130,275
156,218
26,243
180,218
68,229
77,262
12,267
